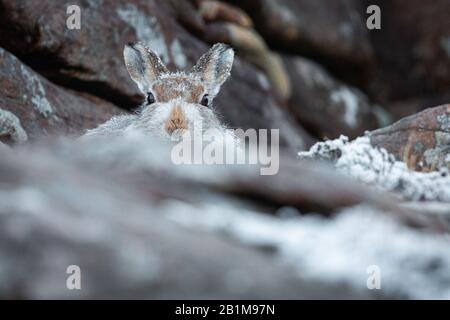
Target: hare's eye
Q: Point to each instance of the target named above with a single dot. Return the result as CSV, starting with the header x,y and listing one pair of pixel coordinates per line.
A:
x,y
150,98
205,100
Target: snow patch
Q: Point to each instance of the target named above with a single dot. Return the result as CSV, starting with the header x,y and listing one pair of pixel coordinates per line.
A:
x,y
377,167
179,58
10,125
349,100
262,80
444,121
312,73
37,91
147,29
413,264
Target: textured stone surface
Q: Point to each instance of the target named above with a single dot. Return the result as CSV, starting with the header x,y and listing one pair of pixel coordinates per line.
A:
x,y
141,227
31,106
329,30
91,60
325,105
422,140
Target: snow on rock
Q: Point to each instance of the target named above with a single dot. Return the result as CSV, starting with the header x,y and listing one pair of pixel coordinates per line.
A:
x,y
179,58
320,99
10,126
147,29
37,91
377,167
333,251
349,99
338,250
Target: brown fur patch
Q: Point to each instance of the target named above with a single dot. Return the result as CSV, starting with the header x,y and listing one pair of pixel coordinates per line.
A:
x,y
176,120
171,88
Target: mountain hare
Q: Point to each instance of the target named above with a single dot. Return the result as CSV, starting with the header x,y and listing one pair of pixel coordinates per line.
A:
x,y
175,102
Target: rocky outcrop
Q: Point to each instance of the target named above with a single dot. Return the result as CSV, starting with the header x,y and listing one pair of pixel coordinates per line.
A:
x,y
90,59
422,140
31,106
67,207
332,31
138,255
139,226
325,105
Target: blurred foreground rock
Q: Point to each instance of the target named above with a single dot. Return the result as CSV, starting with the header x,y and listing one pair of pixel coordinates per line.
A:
x,y
74,206
53,216
139,226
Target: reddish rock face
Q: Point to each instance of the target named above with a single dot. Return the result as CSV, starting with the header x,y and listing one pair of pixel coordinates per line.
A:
x,y
91,60
31,106
333,31
421,140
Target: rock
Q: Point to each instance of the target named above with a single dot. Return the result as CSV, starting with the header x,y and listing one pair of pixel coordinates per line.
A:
x,y
91,60
222,22
131,224
332,31
422,140
376,167
305,186
212,10
11,129
246,102
412,49
55,213
31,106
250,45
325,105
403,108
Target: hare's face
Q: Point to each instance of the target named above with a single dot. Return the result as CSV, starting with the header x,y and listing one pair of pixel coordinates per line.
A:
x,y
178,101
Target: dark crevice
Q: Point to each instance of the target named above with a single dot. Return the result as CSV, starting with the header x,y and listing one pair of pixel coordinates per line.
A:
x,y
96,88
56,70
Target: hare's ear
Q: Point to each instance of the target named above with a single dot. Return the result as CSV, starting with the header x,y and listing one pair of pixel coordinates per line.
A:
x,y
214,66
143,65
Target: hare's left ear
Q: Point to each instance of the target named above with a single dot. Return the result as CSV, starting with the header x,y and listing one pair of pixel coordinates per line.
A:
x,y
143,65
214,67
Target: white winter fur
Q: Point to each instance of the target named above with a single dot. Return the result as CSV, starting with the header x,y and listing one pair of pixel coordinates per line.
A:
x,y
146,69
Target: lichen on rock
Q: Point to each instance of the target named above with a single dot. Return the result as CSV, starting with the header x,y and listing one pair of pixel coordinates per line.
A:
x,y
375,166
11,128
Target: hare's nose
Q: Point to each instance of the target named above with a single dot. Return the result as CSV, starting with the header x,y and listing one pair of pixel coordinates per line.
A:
x,y
176,120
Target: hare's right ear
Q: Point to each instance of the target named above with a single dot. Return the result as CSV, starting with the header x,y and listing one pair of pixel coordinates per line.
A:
x,y
143,65
214,67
